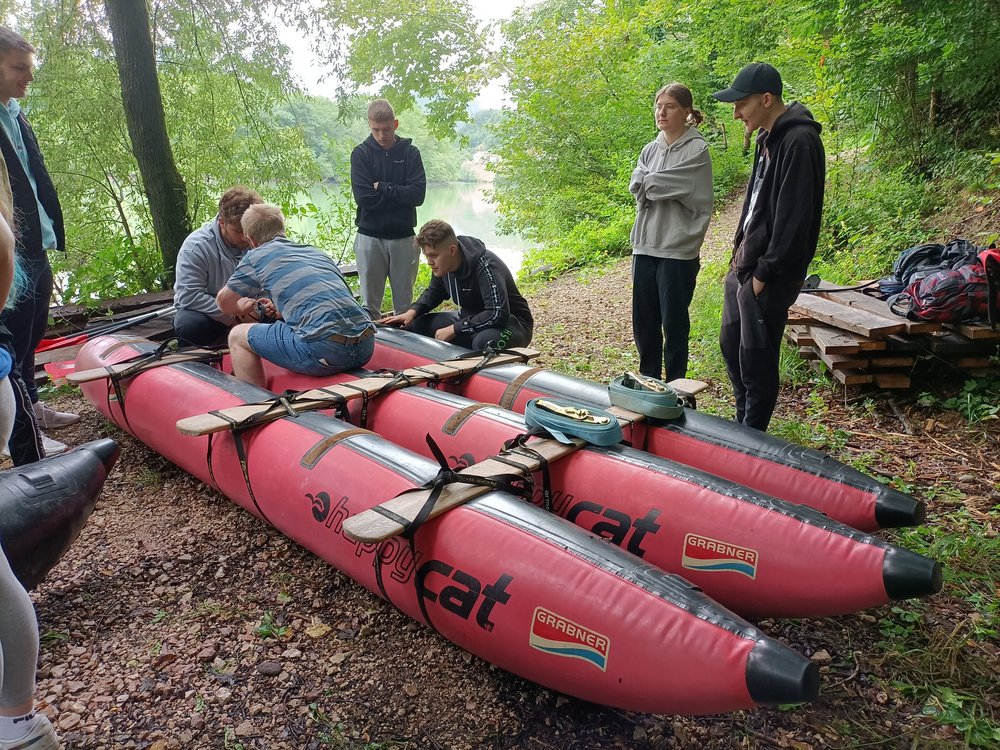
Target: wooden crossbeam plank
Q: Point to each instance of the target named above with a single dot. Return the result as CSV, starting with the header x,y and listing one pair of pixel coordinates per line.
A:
x,y
328,397
372,526
887,362
848,318
99,373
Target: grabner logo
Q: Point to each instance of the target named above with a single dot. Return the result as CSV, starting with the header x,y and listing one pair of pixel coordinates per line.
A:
x,y
554,634
713,556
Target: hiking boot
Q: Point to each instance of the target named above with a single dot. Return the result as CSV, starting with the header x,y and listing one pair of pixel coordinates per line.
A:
x,y
41,736
51,447
50,419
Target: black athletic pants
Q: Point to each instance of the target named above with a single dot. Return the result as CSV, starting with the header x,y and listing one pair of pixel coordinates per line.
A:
x,y
198,329
517,334
662,289
750,338
28,318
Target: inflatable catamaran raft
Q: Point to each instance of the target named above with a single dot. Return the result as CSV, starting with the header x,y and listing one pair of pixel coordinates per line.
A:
x,y
511,583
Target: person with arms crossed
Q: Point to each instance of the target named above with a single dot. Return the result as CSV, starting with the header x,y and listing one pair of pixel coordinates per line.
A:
x,y
318,329
205,262
39,230
672,185
491,309
775,239
388,182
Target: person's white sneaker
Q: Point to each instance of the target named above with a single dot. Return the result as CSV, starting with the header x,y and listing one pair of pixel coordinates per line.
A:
x,y
50,419
51,447
41,736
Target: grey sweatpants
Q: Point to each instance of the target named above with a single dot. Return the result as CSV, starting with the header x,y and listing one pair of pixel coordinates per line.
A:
x,y
18,640
378,260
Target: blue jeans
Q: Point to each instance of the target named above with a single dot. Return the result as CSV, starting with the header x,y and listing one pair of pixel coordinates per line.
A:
x,y
278,343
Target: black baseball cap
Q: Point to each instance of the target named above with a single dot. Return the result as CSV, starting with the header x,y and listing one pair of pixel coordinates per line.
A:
x,y
755,78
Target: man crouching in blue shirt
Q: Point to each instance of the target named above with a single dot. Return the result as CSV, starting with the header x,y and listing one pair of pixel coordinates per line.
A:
x,y
491,309
318,329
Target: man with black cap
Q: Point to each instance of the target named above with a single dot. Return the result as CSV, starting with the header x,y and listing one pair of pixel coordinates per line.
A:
x,y
775,239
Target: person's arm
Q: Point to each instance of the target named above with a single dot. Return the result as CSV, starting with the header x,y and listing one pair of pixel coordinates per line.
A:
x,y
795,219
413,192
496,306
233,303
433,295
679,182
362,181
191,290
635,184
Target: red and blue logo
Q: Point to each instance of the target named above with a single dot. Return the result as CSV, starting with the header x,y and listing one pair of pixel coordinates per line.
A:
x,y
713,556
554,634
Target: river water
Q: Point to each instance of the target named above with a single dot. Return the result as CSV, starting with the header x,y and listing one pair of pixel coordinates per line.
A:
x,y
466,206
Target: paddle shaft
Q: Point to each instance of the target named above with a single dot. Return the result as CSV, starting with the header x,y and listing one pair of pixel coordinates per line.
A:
x,y
118,325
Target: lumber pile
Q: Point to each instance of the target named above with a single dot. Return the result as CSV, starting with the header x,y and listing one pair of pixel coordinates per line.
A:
x,y
859,341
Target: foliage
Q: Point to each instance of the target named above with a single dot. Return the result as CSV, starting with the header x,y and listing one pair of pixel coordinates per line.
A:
x,y
219,78
979,400
433,52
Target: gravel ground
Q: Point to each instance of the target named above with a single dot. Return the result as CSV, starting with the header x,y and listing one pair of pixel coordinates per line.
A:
x,y
177,620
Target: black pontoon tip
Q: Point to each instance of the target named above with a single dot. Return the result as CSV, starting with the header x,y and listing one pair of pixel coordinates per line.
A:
x,y
106,450
776,675
894,510
907,575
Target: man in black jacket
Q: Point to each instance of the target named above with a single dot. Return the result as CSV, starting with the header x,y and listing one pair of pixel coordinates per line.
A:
x,y
388,182
491,309
39,228
775,239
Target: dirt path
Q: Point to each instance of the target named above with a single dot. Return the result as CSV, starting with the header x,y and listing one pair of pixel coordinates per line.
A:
x,y
177,620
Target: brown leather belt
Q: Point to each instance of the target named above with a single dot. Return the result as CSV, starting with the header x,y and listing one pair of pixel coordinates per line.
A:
x,y
348,340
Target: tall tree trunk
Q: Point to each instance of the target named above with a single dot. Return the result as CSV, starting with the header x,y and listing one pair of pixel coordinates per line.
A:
x,y
147,127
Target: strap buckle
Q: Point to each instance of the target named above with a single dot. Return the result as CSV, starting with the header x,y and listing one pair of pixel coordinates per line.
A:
x,y
572,412
646,382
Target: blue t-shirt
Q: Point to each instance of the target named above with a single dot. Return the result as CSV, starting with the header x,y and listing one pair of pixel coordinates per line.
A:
x,y
306,287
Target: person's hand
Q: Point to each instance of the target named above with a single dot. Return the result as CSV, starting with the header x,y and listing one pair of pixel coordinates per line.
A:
x,y
398,321
268,308
246,307
758,286
445,334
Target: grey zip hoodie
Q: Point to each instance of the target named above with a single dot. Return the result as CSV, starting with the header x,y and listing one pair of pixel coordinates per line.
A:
x,y
204,264
672,185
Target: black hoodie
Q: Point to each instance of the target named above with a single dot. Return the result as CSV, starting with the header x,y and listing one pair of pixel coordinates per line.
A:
x,y
781,238
389,212
482,287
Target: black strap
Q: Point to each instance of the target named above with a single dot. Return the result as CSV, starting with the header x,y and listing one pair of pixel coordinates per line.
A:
x,y
486,356
140,361
517,445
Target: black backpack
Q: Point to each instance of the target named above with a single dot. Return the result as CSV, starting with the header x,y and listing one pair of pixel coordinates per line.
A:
x,y
920,261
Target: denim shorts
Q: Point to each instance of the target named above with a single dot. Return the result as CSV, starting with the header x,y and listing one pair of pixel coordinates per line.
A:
x,y
278,343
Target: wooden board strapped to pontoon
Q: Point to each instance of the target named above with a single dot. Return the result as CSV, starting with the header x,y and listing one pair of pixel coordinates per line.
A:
x,y
330,396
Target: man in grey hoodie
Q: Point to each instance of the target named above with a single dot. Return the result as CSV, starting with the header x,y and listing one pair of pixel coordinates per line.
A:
x,y
672,185
775,238
205,262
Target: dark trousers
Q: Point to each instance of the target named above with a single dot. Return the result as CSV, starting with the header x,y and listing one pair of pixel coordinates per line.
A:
x,y
515,333
25,442
197,329
662,289
28,318
750,338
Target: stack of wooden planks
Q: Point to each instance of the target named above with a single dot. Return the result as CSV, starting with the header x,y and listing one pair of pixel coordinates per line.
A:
x,y
860,341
